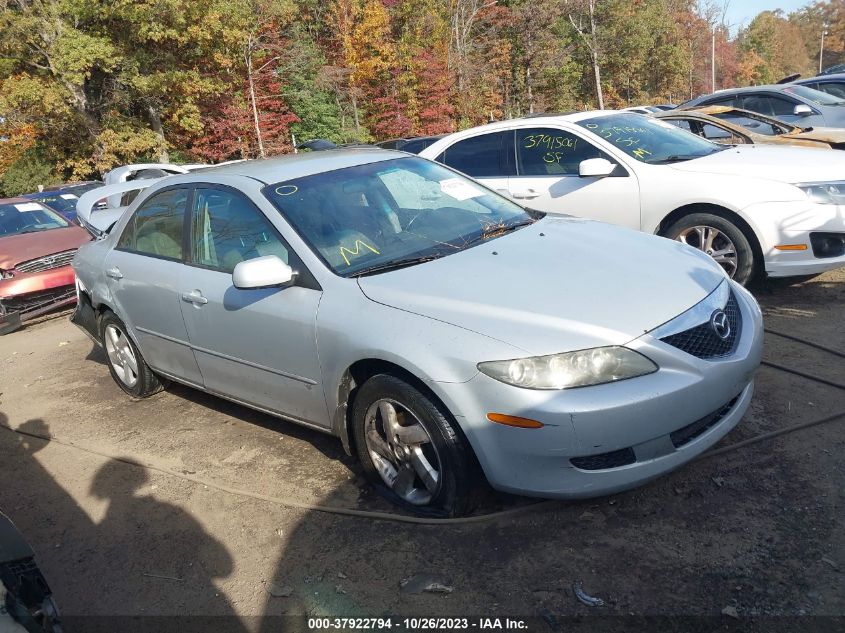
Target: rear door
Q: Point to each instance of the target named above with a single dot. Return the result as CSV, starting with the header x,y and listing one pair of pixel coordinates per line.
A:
x,y
257,346
486,157
142,273
547,179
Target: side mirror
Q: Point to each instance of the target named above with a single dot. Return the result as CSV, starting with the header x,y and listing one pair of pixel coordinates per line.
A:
x,y
595,167
261,272
802,110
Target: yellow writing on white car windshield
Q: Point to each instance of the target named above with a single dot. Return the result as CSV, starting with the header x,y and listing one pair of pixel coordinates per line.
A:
x,y
357,250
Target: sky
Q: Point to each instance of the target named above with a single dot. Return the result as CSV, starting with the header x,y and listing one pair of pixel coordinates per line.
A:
x,y
741,12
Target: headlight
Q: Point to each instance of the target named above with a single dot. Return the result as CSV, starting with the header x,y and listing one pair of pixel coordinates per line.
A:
x,y
6,274
571,369
824,192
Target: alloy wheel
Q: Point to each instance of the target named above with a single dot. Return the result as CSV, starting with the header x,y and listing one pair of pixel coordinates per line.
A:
x,y
713,242
402,451
121,356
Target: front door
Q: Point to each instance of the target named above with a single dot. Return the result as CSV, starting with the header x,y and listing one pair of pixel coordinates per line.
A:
x,y
142,274
547,162
257,346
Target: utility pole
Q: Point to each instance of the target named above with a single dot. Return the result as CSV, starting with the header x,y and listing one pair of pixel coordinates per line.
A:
x,y
821,50
713,62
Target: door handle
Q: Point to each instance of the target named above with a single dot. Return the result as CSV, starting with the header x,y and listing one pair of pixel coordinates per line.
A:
x,y
527,194
194,297
114,273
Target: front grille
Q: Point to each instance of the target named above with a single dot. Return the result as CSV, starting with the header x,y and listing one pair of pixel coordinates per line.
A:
x,y
702,425
37,300
614,459
48,262
702,340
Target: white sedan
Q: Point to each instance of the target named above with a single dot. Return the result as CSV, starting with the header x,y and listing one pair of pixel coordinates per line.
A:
x,y
754,209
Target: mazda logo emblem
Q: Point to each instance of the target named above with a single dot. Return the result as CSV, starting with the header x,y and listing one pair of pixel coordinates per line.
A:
x,y
720,324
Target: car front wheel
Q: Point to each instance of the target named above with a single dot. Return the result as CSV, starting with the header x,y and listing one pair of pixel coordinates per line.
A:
x,y
721,239
410,449
126,365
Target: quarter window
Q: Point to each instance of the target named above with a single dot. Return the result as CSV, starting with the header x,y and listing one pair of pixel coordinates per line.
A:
x,y
228,229
551,152
155,228
483,156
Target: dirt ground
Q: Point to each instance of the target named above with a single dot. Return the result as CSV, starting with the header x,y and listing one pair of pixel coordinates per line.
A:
x,y
760,529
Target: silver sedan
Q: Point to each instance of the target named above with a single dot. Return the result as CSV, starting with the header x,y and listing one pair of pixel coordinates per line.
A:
x,y
445,334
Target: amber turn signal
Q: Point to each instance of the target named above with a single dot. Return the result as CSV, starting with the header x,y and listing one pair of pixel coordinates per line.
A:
x,y
791,247
512,420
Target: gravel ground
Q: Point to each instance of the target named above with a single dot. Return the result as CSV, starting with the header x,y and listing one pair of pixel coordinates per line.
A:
x,y
760,529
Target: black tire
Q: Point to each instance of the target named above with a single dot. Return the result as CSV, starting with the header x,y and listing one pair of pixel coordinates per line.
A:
x,y
147,383
457,479
746,260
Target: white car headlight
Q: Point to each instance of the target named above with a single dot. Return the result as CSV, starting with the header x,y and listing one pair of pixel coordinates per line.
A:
x,y
571,369
824,192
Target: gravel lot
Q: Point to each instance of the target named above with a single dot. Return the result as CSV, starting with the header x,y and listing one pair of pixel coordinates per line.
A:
x,y
760,529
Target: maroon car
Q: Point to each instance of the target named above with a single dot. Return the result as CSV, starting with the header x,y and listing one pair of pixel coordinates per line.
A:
x,y
36,247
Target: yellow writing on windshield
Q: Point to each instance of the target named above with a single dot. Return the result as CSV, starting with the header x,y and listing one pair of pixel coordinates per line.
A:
x,y
357,250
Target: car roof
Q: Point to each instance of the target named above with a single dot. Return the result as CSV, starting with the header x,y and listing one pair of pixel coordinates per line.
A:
x,y
540,118
289,166
16,200
822,78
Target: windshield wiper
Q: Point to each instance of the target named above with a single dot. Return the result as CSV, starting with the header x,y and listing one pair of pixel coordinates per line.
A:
x,y
395,265
495,230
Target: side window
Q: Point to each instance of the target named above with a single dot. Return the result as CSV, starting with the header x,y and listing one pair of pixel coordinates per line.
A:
x,y
684,124
722,101
155,228
837,89
228,229
551,152
721,135
483,156
769,105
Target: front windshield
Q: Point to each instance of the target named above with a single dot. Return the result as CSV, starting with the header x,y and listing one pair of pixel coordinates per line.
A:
x,y
28,217
372,217
816,96
649,140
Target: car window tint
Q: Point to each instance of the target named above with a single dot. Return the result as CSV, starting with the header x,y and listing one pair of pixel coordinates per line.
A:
x,y
552,152
483,156
837,89
156,226
769,105
228,229
722,101
684,124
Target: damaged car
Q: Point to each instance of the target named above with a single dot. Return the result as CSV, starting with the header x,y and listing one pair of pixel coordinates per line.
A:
x,y
37,245
446,335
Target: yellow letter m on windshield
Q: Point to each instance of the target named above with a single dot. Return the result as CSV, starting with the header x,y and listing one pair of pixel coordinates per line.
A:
x,y
357,246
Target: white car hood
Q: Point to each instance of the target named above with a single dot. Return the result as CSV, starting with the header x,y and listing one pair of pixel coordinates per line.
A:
x,y
785,164
561,284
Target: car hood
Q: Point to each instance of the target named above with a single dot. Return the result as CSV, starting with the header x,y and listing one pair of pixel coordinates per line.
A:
x,y
785,164
15,249
561,284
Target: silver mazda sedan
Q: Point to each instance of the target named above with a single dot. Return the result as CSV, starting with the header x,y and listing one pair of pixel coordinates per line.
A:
x,y
445,334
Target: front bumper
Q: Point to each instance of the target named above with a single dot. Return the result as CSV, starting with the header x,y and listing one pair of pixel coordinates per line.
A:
x,y
663,419
792,224
28,295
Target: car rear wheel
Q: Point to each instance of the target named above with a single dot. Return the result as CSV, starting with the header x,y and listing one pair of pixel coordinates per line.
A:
x,y
410,449
721,239
126,364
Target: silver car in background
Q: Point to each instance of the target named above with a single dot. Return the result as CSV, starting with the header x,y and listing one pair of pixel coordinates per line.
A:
x,y
431,324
